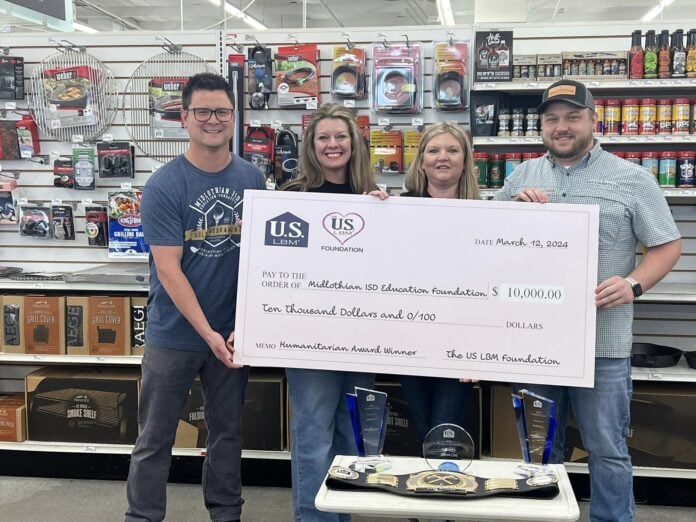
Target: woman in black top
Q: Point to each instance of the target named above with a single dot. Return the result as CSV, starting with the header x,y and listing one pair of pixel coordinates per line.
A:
x,y
334,159
443,168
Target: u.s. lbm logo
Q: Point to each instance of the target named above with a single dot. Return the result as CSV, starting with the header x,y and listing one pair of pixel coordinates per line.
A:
x,y
537,404
370,398
287,230
448,434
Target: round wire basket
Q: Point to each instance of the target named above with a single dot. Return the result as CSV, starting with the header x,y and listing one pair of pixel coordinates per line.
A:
x,y
159,134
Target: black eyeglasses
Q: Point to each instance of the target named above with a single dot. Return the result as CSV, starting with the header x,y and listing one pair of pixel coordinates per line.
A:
x,y
204,115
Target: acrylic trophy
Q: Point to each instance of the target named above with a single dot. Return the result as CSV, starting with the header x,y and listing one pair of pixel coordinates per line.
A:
x,y
448,447
369,414
536,426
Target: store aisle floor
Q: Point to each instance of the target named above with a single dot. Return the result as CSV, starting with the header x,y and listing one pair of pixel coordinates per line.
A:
x,y
25,499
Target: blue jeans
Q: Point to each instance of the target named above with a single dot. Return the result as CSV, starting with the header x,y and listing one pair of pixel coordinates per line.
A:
x,y
320,429
166,380
433,401
603,416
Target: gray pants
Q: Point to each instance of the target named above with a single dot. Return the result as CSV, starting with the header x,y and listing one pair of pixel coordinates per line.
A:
x,y
167,379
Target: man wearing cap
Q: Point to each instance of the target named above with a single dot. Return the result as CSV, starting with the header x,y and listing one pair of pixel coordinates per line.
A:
x,y
577,170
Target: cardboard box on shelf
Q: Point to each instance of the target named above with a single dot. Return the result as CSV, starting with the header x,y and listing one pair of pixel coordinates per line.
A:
x,y
80,404
77,325
13,426
263,422
138,318
109,325
44,323
13,323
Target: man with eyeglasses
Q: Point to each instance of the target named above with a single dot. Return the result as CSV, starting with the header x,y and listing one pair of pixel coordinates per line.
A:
x,y
191,209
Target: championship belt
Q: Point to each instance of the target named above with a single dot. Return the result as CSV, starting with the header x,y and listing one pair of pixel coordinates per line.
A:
x,y
451,484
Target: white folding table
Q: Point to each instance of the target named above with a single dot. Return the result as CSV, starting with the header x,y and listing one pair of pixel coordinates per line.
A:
x,y
383,504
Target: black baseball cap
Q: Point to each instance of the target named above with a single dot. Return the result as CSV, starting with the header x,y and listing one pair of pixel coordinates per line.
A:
x,y
568,91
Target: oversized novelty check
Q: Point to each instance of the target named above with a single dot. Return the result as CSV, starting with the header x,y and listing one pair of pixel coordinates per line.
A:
x,y
418,286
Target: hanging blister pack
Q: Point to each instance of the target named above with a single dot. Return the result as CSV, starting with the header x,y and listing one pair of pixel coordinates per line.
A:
x,y
286,156
259,76
397,71
348,78
83,168
259,145
450,75
297,75
62,222
35,221
115,159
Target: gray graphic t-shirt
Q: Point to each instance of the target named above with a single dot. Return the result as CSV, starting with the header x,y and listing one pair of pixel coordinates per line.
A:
x,y
185,206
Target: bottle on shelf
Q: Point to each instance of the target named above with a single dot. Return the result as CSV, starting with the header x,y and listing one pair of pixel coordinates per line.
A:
x,y
483,55
503,55
691,54
650,56
678,54
636,56
664,58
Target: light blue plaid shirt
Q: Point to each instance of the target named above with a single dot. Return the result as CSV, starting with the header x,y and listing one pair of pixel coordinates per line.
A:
x,y
632,208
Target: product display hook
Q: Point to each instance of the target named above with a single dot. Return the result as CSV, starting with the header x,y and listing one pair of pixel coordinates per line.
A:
x,y
231,41
5,51
347,37
251,37
408,42
168,45
66,46
383,36
450,38
293,38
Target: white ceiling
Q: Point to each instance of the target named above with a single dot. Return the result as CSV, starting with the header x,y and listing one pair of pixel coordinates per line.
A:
x,y
115,15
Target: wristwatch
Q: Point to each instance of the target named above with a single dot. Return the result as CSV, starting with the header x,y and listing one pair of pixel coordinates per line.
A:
x,y
635,286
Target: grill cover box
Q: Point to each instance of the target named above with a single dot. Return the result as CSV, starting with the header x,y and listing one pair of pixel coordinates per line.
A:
x,y
138,322
263,422
13,427
662,432
109,326
13,324
44,321
78,404
77,325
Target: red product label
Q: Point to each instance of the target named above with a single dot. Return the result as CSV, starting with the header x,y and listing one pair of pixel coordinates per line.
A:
x,y
636,71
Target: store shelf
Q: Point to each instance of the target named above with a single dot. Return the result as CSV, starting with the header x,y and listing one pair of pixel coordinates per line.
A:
x,y
124,449
665,139
679,373
670,292
639,471
685,293
62,285
69,359
681,83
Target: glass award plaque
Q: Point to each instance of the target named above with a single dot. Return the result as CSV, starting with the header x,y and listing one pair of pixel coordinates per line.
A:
x,y
536,426
448,447
369,414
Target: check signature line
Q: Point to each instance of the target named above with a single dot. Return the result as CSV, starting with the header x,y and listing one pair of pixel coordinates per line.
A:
x,y
324,316
306,350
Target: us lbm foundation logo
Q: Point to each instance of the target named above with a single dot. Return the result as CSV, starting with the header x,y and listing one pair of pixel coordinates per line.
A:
x,y
287,230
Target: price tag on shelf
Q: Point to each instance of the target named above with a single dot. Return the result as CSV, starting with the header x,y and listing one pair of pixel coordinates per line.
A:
x,y
10,105
22,201
55,124
416,122
52,107
159,133
594,84
349,103
100,358
25,154
78,138
311,105
90,449
86,201
277,124
38,358
107,137
649,83
490,85
382,122
532,85
254,123
56,201
633,83
126,185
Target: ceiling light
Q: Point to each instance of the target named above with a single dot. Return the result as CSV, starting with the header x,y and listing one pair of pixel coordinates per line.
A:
x,y
444,12
84,28
656,10
252,22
